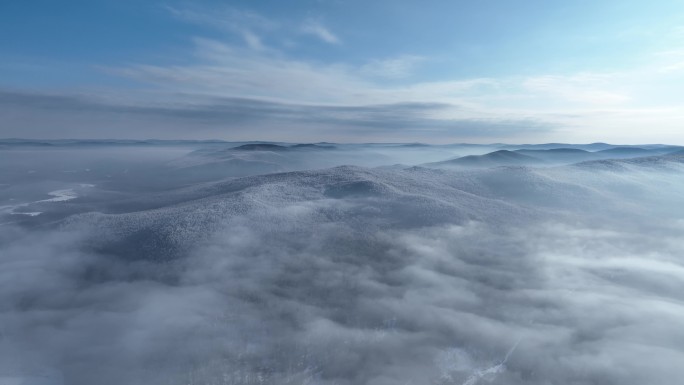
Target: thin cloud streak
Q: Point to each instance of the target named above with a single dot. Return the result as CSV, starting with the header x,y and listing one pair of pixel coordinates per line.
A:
x,y
246,24
393,68
318,30
229,116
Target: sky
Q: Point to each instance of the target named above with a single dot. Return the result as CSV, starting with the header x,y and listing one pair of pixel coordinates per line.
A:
x,y
433,71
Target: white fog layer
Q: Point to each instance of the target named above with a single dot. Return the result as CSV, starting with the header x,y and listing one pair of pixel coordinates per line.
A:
x,y
193,263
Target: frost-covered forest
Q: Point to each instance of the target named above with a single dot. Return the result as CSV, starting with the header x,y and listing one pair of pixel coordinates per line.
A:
x,y
172,262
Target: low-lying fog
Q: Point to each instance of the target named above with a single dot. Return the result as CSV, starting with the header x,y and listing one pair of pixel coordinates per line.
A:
x,y
270,263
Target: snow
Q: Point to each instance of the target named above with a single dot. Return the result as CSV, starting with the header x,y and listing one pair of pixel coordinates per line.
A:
x,y
61,196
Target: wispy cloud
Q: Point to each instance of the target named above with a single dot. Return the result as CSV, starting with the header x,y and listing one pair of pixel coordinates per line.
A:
x,y
248,25
317,29
252,40
224,70
227,117
671,61
584,88
223,18
392,68
251,26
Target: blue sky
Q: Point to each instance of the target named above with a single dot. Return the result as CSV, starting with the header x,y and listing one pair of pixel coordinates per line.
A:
x,y
354,71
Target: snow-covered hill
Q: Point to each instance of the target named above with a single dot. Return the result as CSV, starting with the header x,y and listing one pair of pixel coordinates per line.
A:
x,y
342,275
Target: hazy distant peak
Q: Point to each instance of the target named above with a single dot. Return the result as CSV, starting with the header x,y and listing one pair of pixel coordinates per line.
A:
x,y
554,150
260,147
492,159
312,146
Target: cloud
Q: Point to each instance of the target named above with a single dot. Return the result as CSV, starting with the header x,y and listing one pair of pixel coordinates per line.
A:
x,y
399,67
251,26
44,113
584,107
671,61
318,30
230,72
252,40
581,107
224,18
263,56
593,89
226,70
246,24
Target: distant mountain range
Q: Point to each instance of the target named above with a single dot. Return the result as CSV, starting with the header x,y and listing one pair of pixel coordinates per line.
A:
x,y
555,156
592,147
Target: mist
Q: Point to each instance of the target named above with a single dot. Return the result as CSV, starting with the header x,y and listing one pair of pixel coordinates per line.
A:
x,y
270,263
